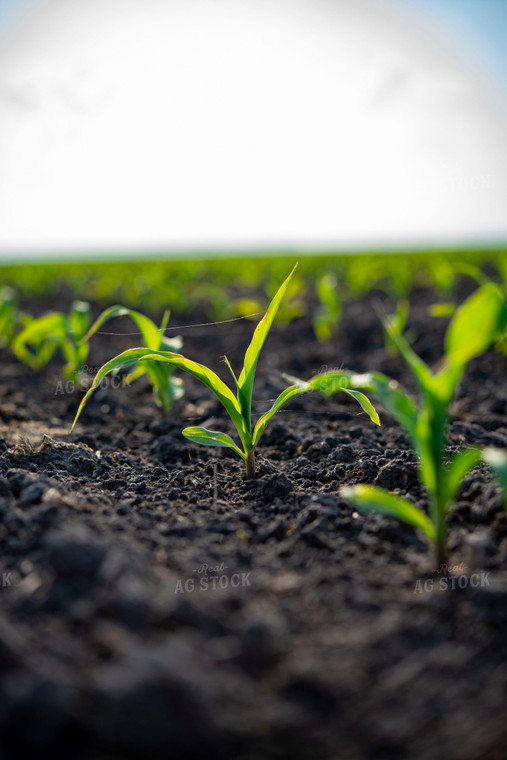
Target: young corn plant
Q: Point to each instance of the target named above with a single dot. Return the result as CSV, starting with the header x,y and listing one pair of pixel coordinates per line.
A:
x,y
327,318
396,321
474,328
496,459
8,315
166,387
238,403
42,336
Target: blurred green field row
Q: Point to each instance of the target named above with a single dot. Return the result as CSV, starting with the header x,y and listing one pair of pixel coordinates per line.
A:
x,y
185,285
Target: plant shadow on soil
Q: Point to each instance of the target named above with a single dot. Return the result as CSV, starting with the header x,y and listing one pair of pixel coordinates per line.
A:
x,y
156,604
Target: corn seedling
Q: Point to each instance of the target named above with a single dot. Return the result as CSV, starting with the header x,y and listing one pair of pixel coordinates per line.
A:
x,y
238,404
473,329
397,322
166,388
42,336
8,315
447,308
496,459
327,318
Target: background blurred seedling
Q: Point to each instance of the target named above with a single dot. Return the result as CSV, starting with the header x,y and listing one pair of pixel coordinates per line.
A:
x,y
496,459
449,308
166,387
327,318
9,315
398,322
239,404
474,328
42,336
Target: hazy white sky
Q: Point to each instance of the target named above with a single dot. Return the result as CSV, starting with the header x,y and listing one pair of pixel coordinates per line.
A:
x,y
253,123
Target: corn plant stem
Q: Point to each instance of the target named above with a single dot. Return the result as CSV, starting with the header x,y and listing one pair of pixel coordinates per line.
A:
x,y
441,535
250,464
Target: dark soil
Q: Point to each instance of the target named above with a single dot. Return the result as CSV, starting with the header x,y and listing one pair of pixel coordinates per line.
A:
x,y
155,604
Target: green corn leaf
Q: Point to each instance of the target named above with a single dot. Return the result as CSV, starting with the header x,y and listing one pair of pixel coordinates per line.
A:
x,y
232,373
496,459
470,270
209,378
113,311
126,359
78,320
456,471
394,398
246,378
374,499
46,327
420,369
202,373
400,317
329,383
168,344
153,336
164,389
43,335
365,404
211,438
327,292
327,318
139,370
165,320
477,324
283,398
442,309
297,390
446,382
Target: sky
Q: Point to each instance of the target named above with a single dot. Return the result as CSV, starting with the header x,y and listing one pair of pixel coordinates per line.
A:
x,y
477,32
167,125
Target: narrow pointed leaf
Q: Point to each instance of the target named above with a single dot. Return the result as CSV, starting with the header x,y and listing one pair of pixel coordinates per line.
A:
x,y
232,372
42,335
211,438
496,459
202,373
246,378
206,376
78,319
442,309
40,329
126,359
420,369
283,398
327,383
152,335
139,370
330,383
394,398
456,471
113,311
476,325
374,499
365,404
